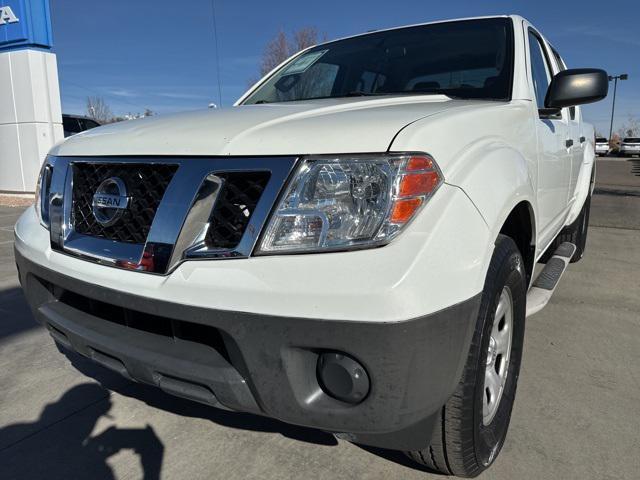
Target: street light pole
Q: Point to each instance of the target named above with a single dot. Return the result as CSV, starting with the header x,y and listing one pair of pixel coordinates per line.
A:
x,y
615,78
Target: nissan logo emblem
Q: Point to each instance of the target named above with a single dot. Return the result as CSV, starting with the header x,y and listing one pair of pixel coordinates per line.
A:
x,y
110,201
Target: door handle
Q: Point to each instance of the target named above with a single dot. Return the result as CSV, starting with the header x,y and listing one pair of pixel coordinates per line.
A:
x,y
569,143
582,139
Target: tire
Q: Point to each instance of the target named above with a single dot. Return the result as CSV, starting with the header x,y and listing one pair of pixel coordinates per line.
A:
x,y
466,438
575,233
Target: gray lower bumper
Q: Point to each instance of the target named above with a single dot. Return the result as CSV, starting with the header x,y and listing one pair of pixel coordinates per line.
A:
x,y
263,364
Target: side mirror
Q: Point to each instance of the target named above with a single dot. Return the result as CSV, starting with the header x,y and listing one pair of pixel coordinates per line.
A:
x,y
576,87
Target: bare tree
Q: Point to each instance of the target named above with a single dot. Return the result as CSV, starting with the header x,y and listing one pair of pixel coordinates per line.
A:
x,y
304,38
614,142
98,109
276,52
630,128
281,48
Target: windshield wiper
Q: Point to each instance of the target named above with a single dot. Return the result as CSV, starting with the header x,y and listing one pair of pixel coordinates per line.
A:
x,y
442,91
401,92
358,93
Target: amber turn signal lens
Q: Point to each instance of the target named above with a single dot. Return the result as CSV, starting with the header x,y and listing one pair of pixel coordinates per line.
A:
x,y
418,184
419,163
404,209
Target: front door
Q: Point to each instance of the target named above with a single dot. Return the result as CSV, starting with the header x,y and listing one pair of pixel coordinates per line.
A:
x,y
554,160
576,136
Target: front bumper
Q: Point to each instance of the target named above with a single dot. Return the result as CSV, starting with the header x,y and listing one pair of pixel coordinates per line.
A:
x,y
263,364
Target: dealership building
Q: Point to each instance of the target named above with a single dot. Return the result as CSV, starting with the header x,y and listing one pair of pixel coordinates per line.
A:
x,y
30,114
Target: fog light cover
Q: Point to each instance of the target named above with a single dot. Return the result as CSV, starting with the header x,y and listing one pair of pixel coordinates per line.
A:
x,y
342,377
356,201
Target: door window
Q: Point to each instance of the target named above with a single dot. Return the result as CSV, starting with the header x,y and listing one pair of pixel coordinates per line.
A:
x,y
563,66
540,71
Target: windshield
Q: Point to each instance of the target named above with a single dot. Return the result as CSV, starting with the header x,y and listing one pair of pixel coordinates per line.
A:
x,y
465,59
601,140
631,140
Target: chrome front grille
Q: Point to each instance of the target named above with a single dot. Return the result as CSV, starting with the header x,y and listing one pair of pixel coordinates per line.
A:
x,y
239,195
146,184
176,208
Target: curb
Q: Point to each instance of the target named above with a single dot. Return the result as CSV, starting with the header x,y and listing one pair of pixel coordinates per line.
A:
x,y
16,200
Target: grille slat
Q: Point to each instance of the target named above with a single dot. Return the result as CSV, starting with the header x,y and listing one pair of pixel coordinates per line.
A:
x,y
146,184
141,321
236,202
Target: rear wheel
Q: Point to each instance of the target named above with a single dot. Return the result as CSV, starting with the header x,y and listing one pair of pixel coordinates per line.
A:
x,y
575,233
472,426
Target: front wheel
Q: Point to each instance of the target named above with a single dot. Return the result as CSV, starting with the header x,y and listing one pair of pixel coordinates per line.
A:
x,y
472,426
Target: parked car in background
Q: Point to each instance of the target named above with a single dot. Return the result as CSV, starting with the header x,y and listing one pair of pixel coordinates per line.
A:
x,y
72,124
351,247
602,146
630,146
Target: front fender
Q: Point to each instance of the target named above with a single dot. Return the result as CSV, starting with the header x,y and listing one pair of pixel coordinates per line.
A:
x,y
475,148
496,178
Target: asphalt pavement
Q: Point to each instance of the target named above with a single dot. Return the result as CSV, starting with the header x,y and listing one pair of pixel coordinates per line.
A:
x,y
577,412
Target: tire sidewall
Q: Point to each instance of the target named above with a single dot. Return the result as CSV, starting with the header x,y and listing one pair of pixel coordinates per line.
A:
x,y
490,438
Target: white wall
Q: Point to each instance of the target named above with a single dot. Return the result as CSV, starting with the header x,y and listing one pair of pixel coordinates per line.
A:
x,y
30,116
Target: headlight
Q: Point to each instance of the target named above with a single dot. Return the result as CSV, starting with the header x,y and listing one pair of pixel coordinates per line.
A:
x,y
42,193
357,201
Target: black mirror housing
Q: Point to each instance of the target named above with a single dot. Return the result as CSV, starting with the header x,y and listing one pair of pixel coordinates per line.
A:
x,y
577,86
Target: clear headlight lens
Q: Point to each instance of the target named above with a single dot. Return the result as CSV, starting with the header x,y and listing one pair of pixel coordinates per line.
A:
x,y
42,194
338,202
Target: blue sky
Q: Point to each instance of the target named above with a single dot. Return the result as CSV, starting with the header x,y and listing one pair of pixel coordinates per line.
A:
x,y
160,54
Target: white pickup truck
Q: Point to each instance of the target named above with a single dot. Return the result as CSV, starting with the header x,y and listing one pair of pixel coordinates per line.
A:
x,y
351,247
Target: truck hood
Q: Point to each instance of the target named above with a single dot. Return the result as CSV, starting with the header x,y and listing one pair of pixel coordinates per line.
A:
x,y
345,125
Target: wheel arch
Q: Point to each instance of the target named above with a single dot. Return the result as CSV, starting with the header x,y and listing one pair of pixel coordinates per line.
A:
x,y
520,226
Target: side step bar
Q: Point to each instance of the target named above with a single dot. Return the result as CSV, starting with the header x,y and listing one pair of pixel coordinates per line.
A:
x,y
546,282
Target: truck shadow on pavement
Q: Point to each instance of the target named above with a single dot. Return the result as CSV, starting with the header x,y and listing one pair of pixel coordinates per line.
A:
x,y
59,444
15,313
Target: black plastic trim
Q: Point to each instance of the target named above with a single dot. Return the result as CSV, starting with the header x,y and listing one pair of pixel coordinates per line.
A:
x,y
414,365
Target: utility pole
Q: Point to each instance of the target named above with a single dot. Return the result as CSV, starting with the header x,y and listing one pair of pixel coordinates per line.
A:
x,y
615,79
